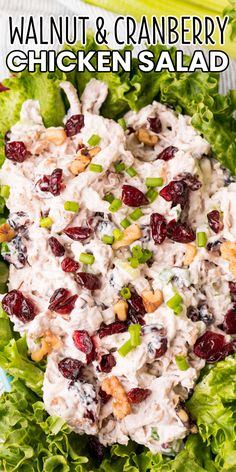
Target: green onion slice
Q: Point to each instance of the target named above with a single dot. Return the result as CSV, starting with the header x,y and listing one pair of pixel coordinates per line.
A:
x,y
115,205
86,258
136,214
95,168
125,293
71,206
131,171
94,140
181,362
46,222
201,239
154,181
107,239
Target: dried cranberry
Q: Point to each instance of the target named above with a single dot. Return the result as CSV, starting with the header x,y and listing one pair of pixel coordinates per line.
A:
x,y
107,363
214,221
208,345
44,183
158,227
16,151
176,192
51,183
70,368
167,153
180,232
232,287
160,351
136,303
226,350
155,124
74,124
56,247
61,302
104,396
78,233
133,197
56,182
191,180
229,322
138,395
89,281
14,303
83,342
69,265
112,328
96,449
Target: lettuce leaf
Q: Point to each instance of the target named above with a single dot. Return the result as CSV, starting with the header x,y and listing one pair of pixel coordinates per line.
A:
x,y
14,357
213,404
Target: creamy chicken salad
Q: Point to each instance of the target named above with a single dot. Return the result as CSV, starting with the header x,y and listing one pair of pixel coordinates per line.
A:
x,y
121,244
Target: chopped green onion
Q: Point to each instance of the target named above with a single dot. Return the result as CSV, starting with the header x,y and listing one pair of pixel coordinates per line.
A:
x,y
175,301
4,248
125,293
154,181
119,167
71,206
125,348
125,223
178,310
107,239
146,256
115,205
5,191
134,262
122,123
136,214
118,234
86,258
95,168
109,198
201,239
94,140
134,331
151,194
46,222
181,362
154,434
131,171
137,251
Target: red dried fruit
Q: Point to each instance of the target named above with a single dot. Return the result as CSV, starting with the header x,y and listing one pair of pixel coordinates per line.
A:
x,y
74,124
229,322
16,151
136,303
89,281
167,153
232,287
112,328
83,342
180,232
191,180
61,302
107,363
56,247
155,124
138,395
104,396
15,304
56,182
227,349
208,345
3,88
214,221
160,351
44,183
51,183
177,192
78,233
158,228
70,368
69,265
133,197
